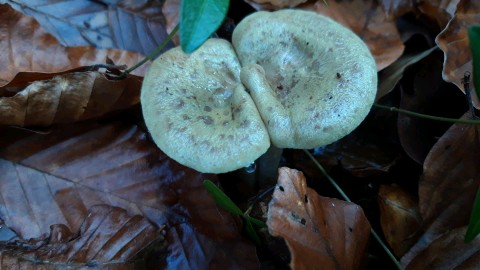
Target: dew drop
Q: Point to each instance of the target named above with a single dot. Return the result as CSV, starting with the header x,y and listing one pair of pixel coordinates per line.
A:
x,y
251,168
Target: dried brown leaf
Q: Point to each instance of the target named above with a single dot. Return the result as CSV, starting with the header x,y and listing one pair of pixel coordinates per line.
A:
x,y
395,8
448,185
399,217
369,21
319,231
127,25
449,252
453,41
65,98
450,169
107,236
438,10
171,10
56,178
27,47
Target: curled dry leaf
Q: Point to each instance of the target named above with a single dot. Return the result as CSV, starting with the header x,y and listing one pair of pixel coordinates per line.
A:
x,y
319,231
127,25
367,20
449,252
399,217
55,178
27,47
65,98
107,236
453,41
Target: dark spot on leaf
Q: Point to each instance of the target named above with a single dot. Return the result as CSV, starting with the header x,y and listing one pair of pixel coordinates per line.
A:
x,y
281,188
350,229
305,198
303,221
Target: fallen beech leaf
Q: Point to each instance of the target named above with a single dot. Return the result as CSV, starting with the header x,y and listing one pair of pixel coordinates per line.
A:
x,y
56,178
428,94
67,98
368,20
399,217
319,231
396,8
127,25
108,236
171,10
438,10
453,41
450,169
390,76
29,48
449,252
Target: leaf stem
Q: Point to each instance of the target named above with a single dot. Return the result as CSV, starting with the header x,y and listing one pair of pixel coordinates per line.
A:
x,y
152,54
346,198
429,117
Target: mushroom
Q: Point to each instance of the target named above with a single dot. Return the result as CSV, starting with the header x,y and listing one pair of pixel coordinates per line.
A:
x,y
304,81
198,111
312,79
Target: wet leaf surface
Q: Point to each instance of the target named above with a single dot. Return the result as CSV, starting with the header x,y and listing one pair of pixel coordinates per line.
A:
x,y
65,98
55,178
318,230
107,237
128,25
399,217
31,49
449,252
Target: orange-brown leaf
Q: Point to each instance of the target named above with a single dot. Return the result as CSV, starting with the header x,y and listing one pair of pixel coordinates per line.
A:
x,y
55,178
27,47
399,217
319,231
108,235
453,41
274,4
65,98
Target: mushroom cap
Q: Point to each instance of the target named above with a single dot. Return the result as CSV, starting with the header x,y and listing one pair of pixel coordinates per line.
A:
x,y
198,111
312,80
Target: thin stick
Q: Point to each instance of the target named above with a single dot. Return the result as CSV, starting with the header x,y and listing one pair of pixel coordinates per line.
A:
x,y
151,55
429,117
346,198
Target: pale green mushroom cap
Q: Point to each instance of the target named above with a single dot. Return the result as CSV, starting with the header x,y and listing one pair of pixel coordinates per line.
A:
x,y
312,79
198,111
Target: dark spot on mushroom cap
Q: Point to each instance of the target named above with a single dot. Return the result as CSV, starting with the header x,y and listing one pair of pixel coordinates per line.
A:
x,y
317,127
178,103
230,137
206,119
303,221
185,117
339,76
326,129
245,124
221,136
207,108
225,123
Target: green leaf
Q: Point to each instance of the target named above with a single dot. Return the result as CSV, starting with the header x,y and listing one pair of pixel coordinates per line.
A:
x,y
474,224
474,39
255,221
251,232
199,19
221,198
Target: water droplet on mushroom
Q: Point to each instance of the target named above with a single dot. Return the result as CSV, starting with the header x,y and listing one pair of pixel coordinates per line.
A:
x,y
251,168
